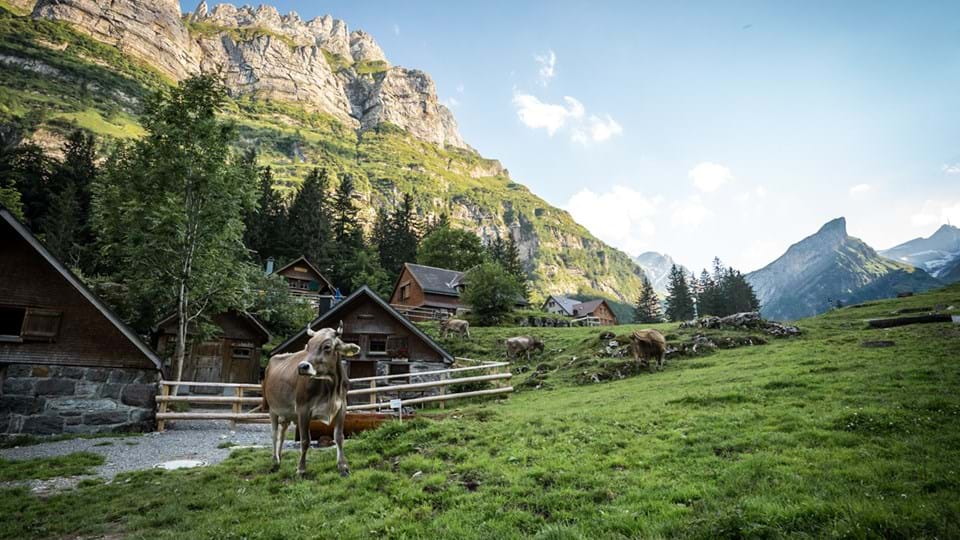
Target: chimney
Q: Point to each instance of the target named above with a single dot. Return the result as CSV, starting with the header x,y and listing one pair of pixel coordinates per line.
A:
x,y
270,262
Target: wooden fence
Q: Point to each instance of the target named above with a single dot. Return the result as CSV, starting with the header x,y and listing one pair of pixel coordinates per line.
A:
x,y
497,373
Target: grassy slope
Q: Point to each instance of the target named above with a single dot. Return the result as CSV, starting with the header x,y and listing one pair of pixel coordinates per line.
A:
x,y
84,93
814,436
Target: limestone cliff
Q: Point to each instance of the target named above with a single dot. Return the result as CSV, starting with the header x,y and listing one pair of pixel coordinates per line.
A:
x,y
319,64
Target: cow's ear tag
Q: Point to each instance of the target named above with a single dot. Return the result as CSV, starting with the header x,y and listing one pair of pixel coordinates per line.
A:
x,y
350,349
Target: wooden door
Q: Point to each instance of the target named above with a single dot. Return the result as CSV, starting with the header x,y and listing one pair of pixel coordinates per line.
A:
x,y
208,358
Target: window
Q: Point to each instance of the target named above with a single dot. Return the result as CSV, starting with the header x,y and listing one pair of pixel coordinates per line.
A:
x,y
11,323
28,324
404,292
397,347
378,346
242,353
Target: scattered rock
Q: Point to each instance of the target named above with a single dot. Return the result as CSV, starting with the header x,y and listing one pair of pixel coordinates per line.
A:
x,y
746,320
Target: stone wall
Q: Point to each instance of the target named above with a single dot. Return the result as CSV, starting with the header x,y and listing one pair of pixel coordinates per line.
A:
x,y
45,400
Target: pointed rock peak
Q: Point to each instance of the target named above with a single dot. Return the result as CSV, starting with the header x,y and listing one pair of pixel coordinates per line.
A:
x,y
946,229
836,226
201,10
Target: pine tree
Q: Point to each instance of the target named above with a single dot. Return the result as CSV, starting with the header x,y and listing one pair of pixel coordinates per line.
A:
x,y
511,263
679,302
347,236
309,221
647,309
265,223
380,236
495,249
400,245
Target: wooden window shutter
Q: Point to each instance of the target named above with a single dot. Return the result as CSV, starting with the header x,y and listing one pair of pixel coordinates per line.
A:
x,y
41,325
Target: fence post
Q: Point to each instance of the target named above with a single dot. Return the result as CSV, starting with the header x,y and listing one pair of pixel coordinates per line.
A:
x,y
373,395
443,390
237,405
165,392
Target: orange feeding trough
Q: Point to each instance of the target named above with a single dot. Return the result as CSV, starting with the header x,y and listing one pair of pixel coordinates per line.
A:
x,y
354,422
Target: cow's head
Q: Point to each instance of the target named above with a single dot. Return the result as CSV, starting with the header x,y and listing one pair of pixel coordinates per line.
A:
x,y
323,353
537,344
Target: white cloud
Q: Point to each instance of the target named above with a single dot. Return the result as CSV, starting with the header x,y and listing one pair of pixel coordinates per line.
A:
x,y
708,177
596,130
953,168
860,189
621,217
548,66
396,29
690,213
451,102
536,114
936,213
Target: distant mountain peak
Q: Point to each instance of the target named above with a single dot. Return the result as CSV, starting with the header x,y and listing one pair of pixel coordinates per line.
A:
x,y
938,253
835,227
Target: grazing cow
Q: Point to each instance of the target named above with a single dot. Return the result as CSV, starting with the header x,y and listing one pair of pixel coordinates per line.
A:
x,y
519,344
309,384
647,345
459,326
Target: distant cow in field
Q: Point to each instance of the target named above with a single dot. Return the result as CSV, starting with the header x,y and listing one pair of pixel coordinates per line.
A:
x,y
648,345
309,384
459,326
519,344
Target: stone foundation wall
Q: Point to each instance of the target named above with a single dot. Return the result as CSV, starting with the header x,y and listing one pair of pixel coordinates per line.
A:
x,y
45,400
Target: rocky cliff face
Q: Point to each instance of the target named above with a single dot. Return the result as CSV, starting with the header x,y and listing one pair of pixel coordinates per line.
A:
x,y
827,268
319,63
934,254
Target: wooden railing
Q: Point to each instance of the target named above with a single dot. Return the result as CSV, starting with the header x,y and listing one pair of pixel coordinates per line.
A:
x,y
419,312
498,373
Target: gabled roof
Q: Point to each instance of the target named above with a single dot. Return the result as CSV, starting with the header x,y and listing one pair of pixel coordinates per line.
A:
x,y
329,318
588,307
566,304
303,260
75,282
253,321
436,280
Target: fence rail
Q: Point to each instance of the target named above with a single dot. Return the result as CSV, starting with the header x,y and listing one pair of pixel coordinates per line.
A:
x,y
498,373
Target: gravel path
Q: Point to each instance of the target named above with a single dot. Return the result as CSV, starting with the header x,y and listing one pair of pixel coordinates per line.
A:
x,y
186,440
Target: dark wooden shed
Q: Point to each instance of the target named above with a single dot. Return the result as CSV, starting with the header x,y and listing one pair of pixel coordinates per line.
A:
x,y
389,342
232,355
67,362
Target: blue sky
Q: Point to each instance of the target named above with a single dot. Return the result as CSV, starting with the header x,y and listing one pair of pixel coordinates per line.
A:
x,y
700,128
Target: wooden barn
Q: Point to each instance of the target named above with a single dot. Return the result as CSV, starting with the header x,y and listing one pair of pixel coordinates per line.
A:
x,y
426,292
595,311
389,343
304,280
232,355
67,362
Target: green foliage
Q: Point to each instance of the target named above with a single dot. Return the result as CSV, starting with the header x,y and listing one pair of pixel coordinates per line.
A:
x,y
239,35
336,62
308,226
680,305
349,245
66,225
397,236
723,293
169,208
370,67
491,293
51,467
455,249
272,304
265,224
647,309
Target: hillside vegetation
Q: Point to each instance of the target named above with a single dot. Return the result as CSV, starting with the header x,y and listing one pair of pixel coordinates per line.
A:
x,y
813,436
53,80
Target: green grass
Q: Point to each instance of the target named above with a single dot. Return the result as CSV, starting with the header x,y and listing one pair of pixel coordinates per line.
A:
x,y
807,437
30,440
43,468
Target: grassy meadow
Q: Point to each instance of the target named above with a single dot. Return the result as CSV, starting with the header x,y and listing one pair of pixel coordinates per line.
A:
x,y
815,436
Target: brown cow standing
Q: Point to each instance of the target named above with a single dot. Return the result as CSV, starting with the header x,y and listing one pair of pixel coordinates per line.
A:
x,y
519,344
309,384
460,326
648,345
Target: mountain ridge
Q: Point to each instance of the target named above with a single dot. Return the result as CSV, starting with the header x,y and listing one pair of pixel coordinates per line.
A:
x,y
937,253
828,268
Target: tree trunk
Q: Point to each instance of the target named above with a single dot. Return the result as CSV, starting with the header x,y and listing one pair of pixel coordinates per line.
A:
x,y
183,322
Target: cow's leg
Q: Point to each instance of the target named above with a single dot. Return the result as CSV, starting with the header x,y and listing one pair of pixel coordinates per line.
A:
x,y
342,465
651,361
275,429
466,329
660,359
281,438
303,424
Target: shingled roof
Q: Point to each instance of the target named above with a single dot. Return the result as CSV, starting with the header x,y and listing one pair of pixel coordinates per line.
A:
x,y
436,280
586,308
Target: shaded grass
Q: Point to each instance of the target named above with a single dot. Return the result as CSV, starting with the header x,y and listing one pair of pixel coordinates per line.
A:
x,y
44,468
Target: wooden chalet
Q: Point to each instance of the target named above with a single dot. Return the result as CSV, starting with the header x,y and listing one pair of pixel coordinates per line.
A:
x,y
304,280
67,362
595,311
232,355
426,292
389,343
